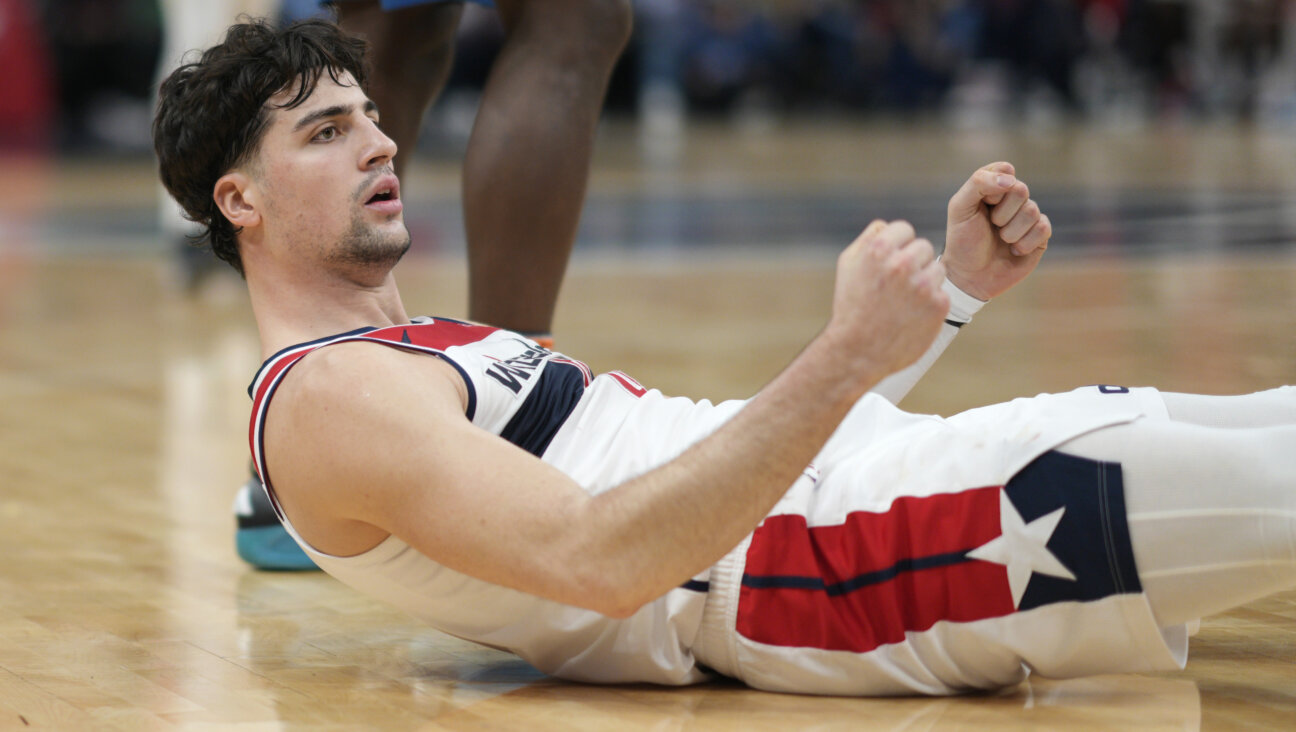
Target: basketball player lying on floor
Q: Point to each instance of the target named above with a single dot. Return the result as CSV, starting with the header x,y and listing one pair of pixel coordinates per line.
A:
x,y
813,538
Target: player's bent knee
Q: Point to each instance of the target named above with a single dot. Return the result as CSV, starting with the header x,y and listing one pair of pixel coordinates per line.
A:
x,y
597,30
403,35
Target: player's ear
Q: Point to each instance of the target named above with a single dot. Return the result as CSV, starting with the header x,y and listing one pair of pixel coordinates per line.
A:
x,y
237,197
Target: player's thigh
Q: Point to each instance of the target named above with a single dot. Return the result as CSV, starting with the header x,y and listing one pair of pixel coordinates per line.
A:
x,y
411,29
1187,467
1269,408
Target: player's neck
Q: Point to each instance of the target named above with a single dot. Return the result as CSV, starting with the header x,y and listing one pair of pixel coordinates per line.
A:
x,y
291,310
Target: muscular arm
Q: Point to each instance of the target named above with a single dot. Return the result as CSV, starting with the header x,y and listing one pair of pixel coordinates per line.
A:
x,y
364,441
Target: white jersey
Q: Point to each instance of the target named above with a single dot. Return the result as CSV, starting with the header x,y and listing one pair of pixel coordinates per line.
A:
x,y
603,430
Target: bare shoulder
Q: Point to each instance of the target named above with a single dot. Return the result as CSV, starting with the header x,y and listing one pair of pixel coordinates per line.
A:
x,y
355,373
364,395
371,442
347,416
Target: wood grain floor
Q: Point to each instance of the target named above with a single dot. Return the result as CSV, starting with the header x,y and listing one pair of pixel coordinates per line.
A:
x,y
123,435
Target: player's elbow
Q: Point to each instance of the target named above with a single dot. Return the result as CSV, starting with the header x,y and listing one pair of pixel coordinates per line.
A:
x,y
614,602
607,594
619,611
604,572
624,607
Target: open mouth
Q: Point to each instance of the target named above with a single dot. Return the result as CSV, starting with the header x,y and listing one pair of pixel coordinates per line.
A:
x,y
385,196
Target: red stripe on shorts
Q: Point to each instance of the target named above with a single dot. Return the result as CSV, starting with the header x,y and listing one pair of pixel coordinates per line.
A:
x,y
884,554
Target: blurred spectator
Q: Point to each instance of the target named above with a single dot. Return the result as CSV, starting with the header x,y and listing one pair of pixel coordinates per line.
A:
x,y
1154,38
835,58
923,51
104,52
729,50
26,86
1040,41
1105,59
1251,40
657,52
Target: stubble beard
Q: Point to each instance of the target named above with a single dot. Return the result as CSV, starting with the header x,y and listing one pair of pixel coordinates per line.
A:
x,y
364,246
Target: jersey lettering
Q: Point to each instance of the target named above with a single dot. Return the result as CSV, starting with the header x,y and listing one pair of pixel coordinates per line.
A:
x,y
512,372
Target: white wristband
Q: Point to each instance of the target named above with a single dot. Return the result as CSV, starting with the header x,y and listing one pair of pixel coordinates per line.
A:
x,y
962,305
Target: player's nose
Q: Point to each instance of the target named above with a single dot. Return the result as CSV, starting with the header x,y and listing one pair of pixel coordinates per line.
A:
x,y
379,148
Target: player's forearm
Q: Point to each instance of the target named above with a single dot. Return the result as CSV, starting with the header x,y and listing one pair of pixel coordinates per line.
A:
x,y
662,528
962,307
653,533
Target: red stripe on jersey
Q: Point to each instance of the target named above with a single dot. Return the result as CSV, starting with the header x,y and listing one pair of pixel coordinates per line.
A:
x,y
890,546
628,381
269,377
586,372
265,383
439,334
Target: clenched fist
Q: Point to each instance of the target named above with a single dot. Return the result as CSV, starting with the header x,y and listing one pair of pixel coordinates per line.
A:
x,y
995,233
888,304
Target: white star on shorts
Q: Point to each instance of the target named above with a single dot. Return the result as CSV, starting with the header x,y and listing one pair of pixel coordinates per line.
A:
x,y
1021,547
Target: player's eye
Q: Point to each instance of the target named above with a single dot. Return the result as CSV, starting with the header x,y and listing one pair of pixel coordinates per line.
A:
x,y
326,134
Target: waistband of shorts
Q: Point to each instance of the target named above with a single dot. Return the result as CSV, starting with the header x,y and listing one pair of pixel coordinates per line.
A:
x,y
716,644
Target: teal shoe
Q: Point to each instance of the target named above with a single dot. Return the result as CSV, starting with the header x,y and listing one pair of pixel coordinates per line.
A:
x,y
260,539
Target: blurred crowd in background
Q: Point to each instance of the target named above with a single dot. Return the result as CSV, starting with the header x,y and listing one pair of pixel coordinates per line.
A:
x,y
78,73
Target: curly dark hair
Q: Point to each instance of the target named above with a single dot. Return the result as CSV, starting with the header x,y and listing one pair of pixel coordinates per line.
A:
x,y
212,114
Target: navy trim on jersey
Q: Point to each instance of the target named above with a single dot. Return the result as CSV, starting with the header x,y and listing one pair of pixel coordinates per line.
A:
x,y
471,409
954,323
359,334
297,346
546,408
696,586
263,467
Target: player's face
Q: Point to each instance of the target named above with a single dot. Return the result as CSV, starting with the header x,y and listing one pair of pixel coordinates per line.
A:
x,y
325,170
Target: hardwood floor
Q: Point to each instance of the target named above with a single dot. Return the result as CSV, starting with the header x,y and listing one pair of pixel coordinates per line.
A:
x,y
123,605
